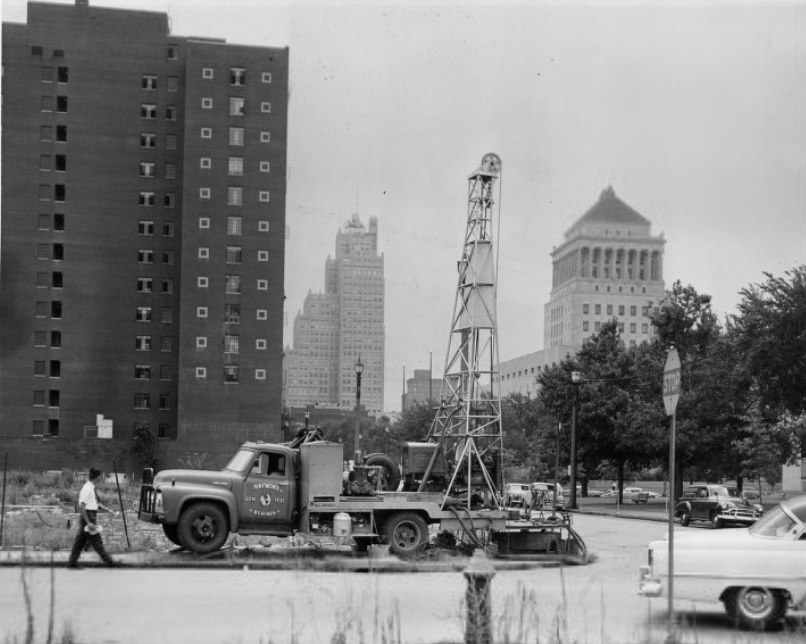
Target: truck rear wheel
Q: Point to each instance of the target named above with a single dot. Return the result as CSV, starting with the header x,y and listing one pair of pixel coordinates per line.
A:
x,y
203,528
405,532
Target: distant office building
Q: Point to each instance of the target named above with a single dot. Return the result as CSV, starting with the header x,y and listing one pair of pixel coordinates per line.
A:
x,y
341,325
143,221
609,266
422,388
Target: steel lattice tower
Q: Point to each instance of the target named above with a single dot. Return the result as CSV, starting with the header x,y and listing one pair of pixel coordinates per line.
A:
x,y
467,425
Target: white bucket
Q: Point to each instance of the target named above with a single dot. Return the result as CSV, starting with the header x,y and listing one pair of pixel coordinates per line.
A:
x,y
342,525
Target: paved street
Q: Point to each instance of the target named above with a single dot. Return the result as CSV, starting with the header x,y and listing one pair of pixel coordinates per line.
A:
x,y
596,603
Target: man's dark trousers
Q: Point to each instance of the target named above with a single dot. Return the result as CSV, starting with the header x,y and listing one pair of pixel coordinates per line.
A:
x,y
83,537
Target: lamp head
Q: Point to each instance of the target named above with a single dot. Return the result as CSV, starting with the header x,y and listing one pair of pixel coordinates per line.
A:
x,y
359,366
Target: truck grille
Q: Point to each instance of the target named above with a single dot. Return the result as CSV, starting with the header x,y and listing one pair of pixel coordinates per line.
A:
x,y
148,499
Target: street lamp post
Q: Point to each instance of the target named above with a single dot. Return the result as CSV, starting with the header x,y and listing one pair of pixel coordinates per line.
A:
x,y
576,376
359,369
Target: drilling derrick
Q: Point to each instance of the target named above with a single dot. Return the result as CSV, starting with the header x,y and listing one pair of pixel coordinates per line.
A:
x,y
467,425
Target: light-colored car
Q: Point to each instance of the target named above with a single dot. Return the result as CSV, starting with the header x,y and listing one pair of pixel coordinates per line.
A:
x,y
517,495
757,572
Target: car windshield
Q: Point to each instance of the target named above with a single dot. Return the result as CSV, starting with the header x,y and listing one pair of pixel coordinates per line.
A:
x,y
239,462
775,523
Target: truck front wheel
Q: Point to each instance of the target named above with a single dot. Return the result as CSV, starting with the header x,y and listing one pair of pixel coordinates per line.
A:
x,y
203,528
405,532
171,531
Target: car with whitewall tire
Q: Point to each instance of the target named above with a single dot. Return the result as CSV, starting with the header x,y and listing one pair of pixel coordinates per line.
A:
x,y
758,573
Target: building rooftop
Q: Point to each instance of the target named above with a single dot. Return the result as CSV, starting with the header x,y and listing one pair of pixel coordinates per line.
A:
x,y
611,209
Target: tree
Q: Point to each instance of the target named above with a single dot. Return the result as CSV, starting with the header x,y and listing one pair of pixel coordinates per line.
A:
x,y
529,436
766,444
770,334
612,424
714,389
145,446
414,422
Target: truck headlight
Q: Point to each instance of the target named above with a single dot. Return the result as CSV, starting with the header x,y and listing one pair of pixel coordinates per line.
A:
x,y
158,507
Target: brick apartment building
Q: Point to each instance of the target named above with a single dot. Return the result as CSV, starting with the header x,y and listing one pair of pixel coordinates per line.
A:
x,y
143,226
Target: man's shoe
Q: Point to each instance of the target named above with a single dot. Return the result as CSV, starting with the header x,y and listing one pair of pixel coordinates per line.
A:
x,y
113,564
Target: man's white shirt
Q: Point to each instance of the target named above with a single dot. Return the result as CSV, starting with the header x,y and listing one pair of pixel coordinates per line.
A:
x,y
87,496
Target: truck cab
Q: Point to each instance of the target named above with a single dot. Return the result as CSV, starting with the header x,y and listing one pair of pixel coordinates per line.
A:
x,y
255,493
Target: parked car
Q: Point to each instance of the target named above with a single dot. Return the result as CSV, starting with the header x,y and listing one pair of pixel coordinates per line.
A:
x,y
543,493
716,505
517,495
757,572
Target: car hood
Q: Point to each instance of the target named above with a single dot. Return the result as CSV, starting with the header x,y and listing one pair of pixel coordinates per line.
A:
x,y
221,478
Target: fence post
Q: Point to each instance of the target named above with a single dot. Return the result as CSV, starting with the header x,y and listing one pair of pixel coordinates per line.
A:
x,y
479,574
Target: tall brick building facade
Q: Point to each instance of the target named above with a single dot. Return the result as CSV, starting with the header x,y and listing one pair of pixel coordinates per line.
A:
x,y
143,222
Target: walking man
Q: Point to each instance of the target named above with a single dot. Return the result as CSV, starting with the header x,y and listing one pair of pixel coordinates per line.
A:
x,y
88,529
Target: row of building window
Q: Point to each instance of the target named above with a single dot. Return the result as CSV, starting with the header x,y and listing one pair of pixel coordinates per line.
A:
x,y
235,195
237,105
53,397
232,286
62,73
232,343
51,222
57,162
56,192
145,343
48,368
149,199
143,401
146,285
47,103
234,254
237,76
143,372
610,308
52,427
52,309
235,136
235,225
231,373
597,326
232,313
149,112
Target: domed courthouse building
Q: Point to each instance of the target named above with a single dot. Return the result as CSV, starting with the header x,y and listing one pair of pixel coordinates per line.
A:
x,y
609,265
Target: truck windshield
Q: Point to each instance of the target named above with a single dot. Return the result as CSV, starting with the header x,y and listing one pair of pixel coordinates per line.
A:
x,y
240,461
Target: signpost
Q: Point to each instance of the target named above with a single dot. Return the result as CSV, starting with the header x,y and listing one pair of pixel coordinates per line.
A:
x,y
671,394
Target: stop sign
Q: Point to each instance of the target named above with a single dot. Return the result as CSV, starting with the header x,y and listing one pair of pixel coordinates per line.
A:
x,y
671,381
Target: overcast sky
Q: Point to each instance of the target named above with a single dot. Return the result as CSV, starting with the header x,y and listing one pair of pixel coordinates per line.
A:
x,y
694,112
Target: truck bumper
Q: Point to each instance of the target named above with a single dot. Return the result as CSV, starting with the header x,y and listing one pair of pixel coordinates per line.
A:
x,y
151,517
649,586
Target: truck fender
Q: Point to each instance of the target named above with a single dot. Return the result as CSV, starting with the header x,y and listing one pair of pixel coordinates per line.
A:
x,y
177,497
